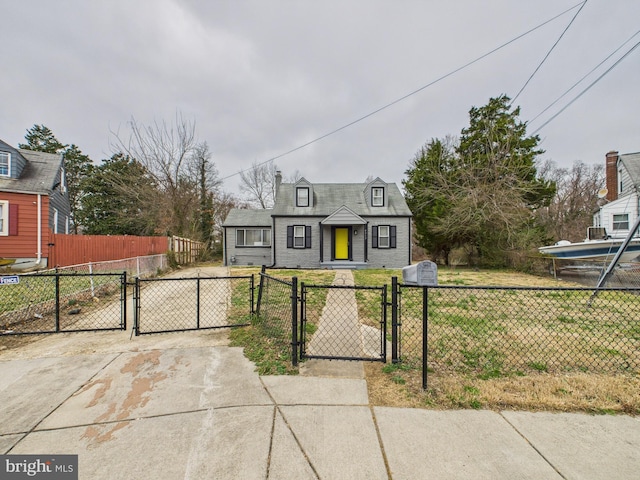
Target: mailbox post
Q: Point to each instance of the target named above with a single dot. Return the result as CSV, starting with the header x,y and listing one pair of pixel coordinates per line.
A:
x,y
423,274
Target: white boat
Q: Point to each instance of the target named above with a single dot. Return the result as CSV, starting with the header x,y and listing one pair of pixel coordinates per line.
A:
x,y
597,246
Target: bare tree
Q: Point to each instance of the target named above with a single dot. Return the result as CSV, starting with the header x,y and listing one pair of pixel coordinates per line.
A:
x,y
576,199
165,151
258,183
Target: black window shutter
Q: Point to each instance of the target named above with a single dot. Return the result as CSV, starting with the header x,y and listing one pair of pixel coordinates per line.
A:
x,y
307,236
392,236
374,237
290,236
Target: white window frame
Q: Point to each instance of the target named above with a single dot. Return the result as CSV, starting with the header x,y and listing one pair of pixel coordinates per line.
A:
x,y
384,238
620,223
299,236
265,237
55,220
63,181
302,200
377,196
8,157
4,218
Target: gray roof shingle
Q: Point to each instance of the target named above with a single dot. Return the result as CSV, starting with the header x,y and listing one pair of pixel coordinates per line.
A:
x,y
40,174
240,217
631,162
328,197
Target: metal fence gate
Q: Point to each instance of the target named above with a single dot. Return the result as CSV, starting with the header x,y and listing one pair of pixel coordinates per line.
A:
x,y
62,302
343,322
181,304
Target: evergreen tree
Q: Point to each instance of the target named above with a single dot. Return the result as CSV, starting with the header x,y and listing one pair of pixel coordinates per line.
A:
x,y
481,194
120,199
40,139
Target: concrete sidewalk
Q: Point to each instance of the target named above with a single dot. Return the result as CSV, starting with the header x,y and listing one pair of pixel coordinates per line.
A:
x,y
201,412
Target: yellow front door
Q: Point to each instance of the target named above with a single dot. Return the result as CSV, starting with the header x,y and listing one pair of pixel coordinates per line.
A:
x,y
342,243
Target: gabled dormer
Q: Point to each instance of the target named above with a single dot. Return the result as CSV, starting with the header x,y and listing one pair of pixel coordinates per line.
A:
x,y
377,194
11,161
303,193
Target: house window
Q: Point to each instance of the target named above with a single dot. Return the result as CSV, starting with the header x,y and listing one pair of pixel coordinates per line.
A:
x,y
55,220
299,236
302,197
253,237
383,236
5,164
377,196
4,218
621,221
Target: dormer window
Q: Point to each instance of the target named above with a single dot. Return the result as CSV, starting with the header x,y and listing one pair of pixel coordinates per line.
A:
x,y
5,164
302,196
377,196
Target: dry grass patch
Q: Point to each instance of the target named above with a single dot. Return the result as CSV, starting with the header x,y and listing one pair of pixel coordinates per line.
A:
x,y
592,393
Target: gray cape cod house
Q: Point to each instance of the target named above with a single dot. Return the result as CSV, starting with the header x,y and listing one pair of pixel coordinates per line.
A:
x,y
323,225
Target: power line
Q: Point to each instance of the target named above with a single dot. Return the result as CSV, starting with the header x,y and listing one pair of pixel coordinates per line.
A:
x,y
404,97
585,76
587,89
549,52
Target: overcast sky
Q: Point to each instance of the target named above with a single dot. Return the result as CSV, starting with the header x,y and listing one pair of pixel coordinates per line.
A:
x,y
260,78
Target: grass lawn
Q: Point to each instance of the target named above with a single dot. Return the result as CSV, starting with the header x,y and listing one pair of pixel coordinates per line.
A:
x,y
490,378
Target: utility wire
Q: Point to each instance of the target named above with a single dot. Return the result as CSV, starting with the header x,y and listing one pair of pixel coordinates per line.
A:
x,y
587,89
384,107
549,52
585,76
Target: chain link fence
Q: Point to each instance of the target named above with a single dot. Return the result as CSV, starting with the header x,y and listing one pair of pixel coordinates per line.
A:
x,y
146,266
179,304
49,303
587,272
491,332
277,313
343,322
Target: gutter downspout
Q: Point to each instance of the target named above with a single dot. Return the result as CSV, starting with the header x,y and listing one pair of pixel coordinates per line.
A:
x,y
39,229
273,240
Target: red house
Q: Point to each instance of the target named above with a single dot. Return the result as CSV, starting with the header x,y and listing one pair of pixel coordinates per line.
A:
x,y
34,204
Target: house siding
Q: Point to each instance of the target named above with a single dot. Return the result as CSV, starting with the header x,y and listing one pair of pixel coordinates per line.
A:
x,y
296,257
310,257
391,257
245,255
628,204
25,243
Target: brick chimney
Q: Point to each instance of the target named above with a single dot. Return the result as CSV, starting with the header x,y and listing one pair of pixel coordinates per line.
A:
x,y
611,172
278,181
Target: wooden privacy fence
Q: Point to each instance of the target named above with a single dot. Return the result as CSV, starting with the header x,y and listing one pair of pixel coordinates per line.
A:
x,y
65,250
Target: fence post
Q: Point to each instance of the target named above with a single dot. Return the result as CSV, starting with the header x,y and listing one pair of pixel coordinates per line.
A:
x,y
384,323
198,302
425,321
294,321
93,294
57,277
123,294
262,273
252,287
136,306
394,320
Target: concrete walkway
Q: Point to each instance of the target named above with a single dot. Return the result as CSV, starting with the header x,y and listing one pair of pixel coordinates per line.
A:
x,y
201,412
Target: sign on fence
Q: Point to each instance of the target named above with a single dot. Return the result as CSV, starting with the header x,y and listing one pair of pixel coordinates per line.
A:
x,y
9,280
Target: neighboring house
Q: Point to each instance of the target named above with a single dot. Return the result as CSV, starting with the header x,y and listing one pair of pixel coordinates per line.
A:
x,y
620,212
34,203
323,225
